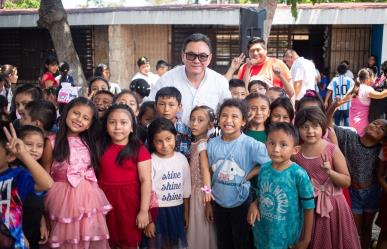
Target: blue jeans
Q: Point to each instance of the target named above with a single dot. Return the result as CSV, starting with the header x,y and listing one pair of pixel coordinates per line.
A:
x,y
341,114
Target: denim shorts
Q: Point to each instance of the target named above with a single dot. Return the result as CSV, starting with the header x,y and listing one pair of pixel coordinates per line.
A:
x,y
365,200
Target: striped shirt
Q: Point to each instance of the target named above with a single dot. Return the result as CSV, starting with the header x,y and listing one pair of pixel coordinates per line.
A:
x,y
339,86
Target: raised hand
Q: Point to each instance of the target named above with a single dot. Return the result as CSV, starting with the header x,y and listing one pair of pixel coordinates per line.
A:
x,y
15,145
237,62
326,165
276,70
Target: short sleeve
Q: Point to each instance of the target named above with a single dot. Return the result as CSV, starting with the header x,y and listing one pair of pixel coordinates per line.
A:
x,y
297,73
344,135
25,184
187,178
202,146
367,90
259,152
305,190
330,85
143,154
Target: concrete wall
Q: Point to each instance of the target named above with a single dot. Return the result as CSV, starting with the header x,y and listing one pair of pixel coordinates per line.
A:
x,y
126,43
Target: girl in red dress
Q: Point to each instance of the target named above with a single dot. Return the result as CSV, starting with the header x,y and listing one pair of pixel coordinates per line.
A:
x,y
125,177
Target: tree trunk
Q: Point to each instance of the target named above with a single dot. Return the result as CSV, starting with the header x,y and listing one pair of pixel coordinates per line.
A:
x,y
53,17
270,6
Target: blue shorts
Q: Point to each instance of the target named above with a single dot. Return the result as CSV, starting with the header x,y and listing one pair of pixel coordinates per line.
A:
x,y
365,200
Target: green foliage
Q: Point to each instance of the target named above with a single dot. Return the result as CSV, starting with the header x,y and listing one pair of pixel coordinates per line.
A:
x,y
22,4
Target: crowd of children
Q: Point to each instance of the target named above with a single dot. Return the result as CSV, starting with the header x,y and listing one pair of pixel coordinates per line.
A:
x,y
115,170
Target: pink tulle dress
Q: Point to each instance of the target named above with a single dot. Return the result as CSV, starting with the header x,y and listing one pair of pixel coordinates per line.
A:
x,y
76,206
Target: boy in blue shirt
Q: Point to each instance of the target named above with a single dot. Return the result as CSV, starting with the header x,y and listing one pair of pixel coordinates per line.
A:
x,y
168,104
16,183
285,202
232,157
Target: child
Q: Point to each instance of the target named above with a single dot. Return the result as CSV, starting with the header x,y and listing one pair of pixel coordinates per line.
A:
x,y
17,183
128,98
232,157
141,88
257,86
103,70
64,76
361,95
171,181
237,89
311,98
76,206
200,233
333,226
274,93
23,94
125,177
281,110
5,91
50,67
285,202
3,104
168,104
381,221
146,115
259,112
42,114
97,84
103,99
34,223
362,153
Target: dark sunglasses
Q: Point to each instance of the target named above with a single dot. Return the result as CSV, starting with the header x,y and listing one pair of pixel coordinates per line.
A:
x,y
192,56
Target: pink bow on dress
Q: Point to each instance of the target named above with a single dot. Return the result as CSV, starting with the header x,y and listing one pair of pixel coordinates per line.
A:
x,y
323,192
74,176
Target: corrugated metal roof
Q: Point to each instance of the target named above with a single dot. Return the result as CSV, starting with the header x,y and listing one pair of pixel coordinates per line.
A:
x,y
213,14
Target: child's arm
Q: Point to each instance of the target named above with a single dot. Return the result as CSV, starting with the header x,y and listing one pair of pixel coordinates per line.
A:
x,y
186,212
43,231
378,95
340,176
144,173
150,230
43,180
47,156
254,172
253,213
307,230
206,176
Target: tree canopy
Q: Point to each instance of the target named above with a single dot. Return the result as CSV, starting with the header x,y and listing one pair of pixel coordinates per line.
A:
x,y
22,4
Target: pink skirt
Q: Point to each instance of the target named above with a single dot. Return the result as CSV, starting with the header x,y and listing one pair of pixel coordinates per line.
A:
x,y
77,216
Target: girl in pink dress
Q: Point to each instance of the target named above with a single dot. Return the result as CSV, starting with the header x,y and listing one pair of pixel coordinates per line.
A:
x,y
361,94
333,226
200,232
75,205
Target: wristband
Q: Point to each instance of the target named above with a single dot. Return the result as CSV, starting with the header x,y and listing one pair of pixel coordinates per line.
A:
x,y
206,189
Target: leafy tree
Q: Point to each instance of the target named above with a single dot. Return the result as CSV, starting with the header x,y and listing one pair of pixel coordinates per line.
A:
x,y
22,4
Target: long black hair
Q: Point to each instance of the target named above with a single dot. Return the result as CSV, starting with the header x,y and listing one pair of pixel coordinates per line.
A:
x,y
88,137
132,148
158,125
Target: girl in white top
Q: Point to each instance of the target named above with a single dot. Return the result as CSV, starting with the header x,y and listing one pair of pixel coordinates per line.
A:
x,y
171,181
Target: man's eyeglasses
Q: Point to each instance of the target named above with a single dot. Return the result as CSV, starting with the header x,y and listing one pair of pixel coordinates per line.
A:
x,y
192,56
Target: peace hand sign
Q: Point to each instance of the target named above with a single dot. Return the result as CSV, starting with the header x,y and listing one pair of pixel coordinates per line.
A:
x,y
15,145
326,165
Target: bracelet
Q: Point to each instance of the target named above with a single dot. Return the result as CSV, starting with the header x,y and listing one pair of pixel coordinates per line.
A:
x,y
206,189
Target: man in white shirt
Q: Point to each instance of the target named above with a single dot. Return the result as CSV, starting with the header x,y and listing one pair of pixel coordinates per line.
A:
x,y
303,73
197,84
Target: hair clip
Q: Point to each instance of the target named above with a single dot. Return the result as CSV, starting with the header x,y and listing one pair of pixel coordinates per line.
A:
x,y
310,93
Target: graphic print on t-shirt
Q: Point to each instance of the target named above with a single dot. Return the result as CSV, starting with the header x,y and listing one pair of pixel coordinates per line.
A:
x,y
171,186
229,170
273,202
